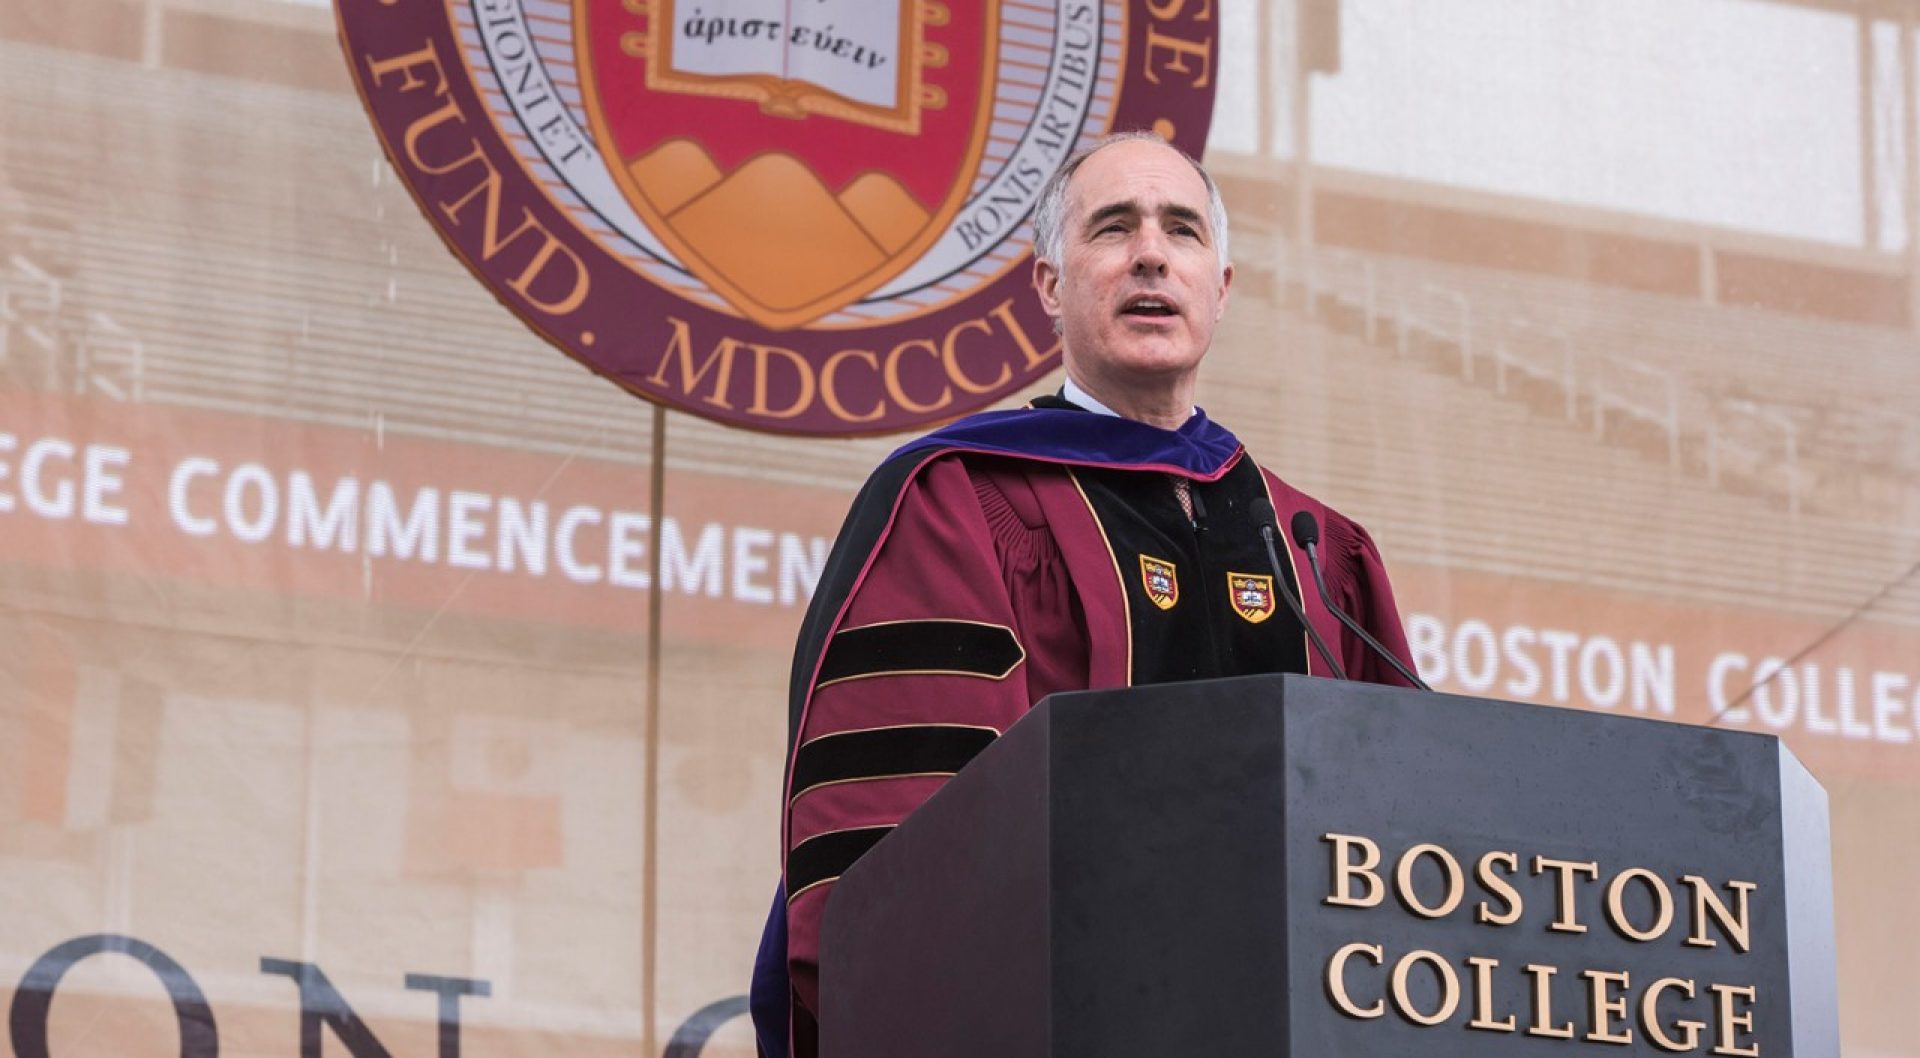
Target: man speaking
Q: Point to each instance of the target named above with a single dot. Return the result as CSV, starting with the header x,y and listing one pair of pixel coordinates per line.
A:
x,y
1109,536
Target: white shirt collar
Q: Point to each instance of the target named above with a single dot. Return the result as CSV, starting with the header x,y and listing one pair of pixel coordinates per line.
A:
x,y
1074,394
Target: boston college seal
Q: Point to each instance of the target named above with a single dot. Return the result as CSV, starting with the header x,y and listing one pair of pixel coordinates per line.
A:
x,y
1161,580
1251,595
805,216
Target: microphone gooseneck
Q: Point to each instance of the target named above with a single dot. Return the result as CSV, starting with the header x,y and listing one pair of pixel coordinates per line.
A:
x,y
1266,519
1306,534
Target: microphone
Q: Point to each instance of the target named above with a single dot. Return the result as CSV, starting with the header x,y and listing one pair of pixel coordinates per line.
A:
x,y
1265,518
1306,534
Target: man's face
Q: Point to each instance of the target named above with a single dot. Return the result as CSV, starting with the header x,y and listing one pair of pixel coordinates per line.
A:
x,y
1139,285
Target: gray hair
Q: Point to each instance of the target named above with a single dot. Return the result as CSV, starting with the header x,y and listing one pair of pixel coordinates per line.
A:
x,y
1049,213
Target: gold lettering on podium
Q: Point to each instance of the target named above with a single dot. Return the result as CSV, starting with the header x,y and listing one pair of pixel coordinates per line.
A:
x,y
1675,1013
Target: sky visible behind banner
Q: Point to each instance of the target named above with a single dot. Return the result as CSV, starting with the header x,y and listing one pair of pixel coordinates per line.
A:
x,y
1721,113
324,583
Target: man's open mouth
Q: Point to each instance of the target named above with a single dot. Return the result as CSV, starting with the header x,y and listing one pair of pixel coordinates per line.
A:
x,y
1148,305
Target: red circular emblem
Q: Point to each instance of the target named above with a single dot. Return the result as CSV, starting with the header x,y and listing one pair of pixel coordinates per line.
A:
x,y
802,216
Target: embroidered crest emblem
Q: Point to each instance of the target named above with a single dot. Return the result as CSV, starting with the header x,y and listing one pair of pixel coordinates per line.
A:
x,y
1251,595
1163,586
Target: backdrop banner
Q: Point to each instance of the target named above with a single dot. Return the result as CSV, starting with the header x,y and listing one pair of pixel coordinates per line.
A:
x,y
327,550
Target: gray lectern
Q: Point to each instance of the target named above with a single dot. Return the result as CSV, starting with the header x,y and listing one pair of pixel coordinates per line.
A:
x,y
1296,868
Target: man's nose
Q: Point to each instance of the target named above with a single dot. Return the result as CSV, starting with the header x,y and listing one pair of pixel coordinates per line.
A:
x,y
1149,254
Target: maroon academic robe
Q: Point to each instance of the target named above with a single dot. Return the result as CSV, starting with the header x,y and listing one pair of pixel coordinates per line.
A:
x,y
985,582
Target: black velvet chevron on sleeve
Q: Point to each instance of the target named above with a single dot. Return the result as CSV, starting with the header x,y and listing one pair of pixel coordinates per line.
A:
x,y
827,856
966,648
887,752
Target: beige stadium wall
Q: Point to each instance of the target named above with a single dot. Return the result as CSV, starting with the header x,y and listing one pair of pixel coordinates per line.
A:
x,y
399,771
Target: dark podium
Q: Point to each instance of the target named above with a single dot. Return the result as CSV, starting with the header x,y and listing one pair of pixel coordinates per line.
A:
x,y
1299,868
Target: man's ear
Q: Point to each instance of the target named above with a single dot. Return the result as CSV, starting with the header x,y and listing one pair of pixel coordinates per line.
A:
x,y
1046,283
1226,286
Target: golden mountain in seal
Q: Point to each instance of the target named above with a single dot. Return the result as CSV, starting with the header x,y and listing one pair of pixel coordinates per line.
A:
x,y
771,229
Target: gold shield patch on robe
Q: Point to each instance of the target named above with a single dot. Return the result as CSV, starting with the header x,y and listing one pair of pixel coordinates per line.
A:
x,y
1158,577
1251,595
